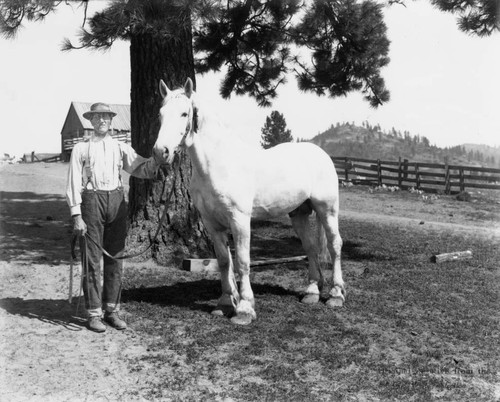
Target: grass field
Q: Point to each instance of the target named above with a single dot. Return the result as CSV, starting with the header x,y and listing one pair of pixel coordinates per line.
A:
x,y
411,329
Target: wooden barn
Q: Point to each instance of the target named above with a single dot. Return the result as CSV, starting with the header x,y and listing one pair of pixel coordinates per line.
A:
x,y
77,129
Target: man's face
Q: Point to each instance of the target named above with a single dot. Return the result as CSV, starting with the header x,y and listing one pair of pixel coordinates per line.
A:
x,y
101,123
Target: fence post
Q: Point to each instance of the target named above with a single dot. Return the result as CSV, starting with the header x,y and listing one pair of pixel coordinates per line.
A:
x,y
346,170
400,181
379,172
447,184
462,179
405,168
417,176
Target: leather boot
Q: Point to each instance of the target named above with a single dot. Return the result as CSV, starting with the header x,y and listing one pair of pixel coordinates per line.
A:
x,y
114,320
95,324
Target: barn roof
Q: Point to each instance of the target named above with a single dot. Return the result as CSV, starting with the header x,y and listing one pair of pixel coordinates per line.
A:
x,y
120,122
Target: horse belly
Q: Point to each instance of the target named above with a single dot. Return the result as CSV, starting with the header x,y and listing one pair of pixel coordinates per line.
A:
x,y
273,199
289,174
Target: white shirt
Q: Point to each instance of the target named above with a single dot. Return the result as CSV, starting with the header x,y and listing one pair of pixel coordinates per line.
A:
x,y
97,164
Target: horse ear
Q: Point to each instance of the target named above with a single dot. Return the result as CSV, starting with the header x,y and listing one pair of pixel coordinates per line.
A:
x,y
163,89
188,87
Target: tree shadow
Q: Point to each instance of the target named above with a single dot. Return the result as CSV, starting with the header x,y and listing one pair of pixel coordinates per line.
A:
x,y
270,248
273,239
277,224
55,312
35,228
200,295
358,252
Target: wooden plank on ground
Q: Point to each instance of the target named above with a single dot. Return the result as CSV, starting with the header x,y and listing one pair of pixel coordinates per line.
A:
x,y
200,265
211,265
455,256
278,261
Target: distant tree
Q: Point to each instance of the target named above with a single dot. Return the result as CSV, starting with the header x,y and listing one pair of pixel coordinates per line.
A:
x,y
274,131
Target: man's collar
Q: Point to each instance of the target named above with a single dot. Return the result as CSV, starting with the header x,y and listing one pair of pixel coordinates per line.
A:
x,y
96,138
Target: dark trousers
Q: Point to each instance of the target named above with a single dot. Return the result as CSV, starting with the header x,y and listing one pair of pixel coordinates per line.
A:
x,y
105,214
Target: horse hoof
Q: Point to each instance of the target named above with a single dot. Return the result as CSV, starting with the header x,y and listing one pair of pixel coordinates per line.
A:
x,y
334,302
310,298
223,311
242,319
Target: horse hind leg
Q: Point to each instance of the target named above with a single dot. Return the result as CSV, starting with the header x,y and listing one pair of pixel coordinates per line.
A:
x,y
300,223
329,223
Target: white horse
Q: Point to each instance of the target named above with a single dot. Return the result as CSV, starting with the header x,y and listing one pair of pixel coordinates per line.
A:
x,y
231,184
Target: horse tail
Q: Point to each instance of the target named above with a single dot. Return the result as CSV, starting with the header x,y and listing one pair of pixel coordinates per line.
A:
x,y
323,253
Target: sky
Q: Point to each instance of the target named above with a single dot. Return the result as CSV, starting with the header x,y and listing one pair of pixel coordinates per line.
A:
x,y
444,85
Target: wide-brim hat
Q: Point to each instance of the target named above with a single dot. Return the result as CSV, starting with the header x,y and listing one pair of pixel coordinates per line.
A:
x,y
98,108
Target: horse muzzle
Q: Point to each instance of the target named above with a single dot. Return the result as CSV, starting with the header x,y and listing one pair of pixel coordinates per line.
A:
x,y
168,156
163,155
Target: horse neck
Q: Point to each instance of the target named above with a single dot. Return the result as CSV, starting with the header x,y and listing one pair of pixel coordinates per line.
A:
x,y
214,148
203,148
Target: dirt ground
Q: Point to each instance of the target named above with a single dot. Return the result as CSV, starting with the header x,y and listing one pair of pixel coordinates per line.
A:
x,y
46,351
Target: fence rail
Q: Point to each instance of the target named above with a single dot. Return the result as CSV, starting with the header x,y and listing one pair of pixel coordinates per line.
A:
x,y
55,158
41,157
69,143
430,177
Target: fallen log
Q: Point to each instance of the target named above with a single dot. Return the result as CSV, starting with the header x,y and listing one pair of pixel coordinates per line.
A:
x,y
455,256
211,265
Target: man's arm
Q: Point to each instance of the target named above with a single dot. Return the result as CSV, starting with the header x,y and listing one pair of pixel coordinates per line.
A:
x,y
74,191
136,165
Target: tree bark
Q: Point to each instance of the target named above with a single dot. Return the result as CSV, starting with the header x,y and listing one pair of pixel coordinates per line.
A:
x,y
183,235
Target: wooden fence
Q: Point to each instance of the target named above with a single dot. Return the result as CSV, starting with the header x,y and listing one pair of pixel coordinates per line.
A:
x,y
430,177
40,157
69,143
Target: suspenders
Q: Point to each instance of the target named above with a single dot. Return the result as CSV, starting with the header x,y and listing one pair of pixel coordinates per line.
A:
x,y
89,171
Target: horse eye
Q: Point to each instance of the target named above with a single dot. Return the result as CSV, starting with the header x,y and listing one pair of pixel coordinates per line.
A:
x,y
184,114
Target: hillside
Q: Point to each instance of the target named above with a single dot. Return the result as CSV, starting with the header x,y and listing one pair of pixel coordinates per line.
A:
x,y
374,143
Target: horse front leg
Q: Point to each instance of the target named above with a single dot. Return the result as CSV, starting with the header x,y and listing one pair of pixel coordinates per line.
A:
x,y
245,312
228,302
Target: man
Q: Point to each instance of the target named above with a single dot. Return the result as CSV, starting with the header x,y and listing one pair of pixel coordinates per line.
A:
x,y
96,200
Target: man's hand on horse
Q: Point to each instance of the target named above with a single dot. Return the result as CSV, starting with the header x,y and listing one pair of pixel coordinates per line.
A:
x,y
79,226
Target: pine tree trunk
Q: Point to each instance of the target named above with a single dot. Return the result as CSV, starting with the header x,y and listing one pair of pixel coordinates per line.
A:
x,y
183,235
